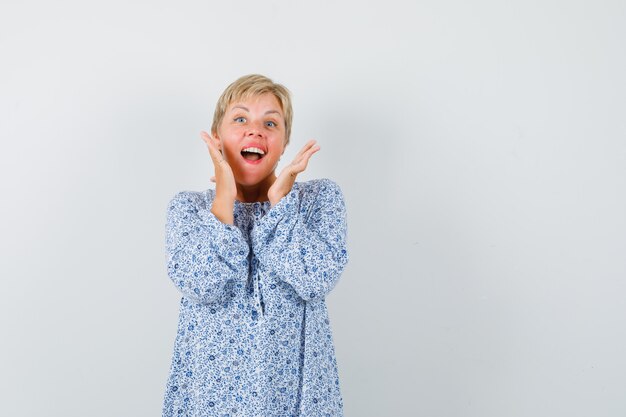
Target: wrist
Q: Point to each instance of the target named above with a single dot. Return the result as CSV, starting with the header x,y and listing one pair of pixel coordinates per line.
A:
x,y
274,199
223,209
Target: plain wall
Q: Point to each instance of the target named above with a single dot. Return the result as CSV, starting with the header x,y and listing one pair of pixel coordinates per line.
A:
x,y
480,147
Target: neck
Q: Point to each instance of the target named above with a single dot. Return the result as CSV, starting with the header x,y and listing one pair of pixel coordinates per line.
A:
x,y
256,192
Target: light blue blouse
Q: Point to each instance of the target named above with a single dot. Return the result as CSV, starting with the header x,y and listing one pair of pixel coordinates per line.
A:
x,y
254,338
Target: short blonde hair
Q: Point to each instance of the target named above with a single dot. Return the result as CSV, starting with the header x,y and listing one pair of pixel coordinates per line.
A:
x,y
253,85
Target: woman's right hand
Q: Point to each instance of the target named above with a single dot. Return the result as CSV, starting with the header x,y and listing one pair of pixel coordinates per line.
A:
x,y
225,186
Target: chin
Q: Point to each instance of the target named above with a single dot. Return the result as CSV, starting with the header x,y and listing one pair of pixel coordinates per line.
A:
x,y
251,179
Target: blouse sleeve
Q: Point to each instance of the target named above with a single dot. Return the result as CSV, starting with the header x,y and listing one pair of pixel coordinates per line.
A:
x,y
305,244
202,253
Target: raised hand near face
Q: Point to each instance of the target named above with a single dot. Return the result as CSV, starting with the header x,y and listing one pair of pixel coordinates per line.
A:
x,y
284,181
225,186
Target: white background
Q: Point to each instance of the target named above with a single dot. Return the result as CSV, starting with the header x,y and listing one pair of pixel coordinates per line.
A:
x,y
480,147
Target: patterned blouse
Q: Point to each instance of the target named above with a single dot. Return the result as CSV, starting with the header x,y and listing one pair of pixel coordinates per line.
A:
x,y
254,337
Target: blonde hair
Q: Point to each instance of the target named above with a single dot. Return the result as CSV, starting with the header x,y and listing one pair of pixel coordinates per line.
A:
x,y
253,85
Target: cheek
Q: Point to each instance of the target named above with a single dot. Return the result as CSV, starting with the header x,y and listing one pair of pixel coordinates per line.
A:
x,y
229,147
229,139
278,145
230,131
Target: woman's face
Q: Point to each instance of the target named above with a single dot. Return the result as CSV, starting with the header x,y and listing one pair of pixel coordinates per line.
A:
x,y
256,122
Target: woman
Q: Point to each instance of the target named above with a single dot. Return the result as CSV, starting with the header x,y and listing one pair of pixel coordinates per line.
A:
x,y
254,260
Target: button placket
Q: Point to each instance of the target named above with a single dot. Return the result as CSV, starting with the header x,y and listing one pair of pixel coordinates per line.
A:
x,y
257,286
258,214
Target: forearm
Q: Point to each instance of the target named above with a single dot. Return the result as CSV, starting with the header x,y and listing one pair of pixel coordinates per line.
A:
x,y
201,270
305,245
203,253
311,264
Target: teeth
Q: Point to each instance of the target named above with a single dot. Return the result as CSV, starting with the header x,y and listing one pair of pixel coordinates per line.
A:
x,y
255,150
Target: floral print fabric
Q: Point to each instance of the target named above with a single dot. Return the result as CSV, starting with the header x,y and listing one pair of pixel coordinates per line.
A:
x,y
254,337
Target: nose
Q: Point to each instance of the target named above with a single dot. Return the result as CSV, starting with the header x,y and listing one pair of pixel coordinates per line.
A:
x,y
255,129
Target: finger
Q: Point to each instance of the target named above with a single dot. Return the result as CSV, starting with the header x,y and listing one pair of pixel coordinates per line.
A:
x,y
300,164
307,155
205,137
214,152
209,140
309,145
212,179
306,147
313,149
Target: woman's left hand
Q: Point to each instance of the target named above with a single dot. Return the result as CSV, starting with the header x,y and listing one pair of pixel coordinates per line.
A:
x,y
287,177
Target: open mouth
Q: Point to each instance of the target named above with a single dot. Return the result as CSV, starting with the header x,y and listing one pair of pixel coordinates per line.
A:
x,y
252,153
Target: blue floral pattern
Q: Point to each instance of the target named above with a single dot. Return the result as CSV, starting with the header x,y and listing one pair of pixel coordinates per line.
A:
x,y
254,337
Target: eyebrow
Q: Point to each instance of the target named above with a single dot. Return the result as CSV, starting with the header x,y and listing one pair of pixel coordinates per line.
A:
x,y
248,110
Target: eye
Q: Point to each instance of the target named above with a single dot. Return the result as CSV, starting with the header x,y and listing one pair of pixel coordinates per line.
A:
x,y
270,124
240,119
